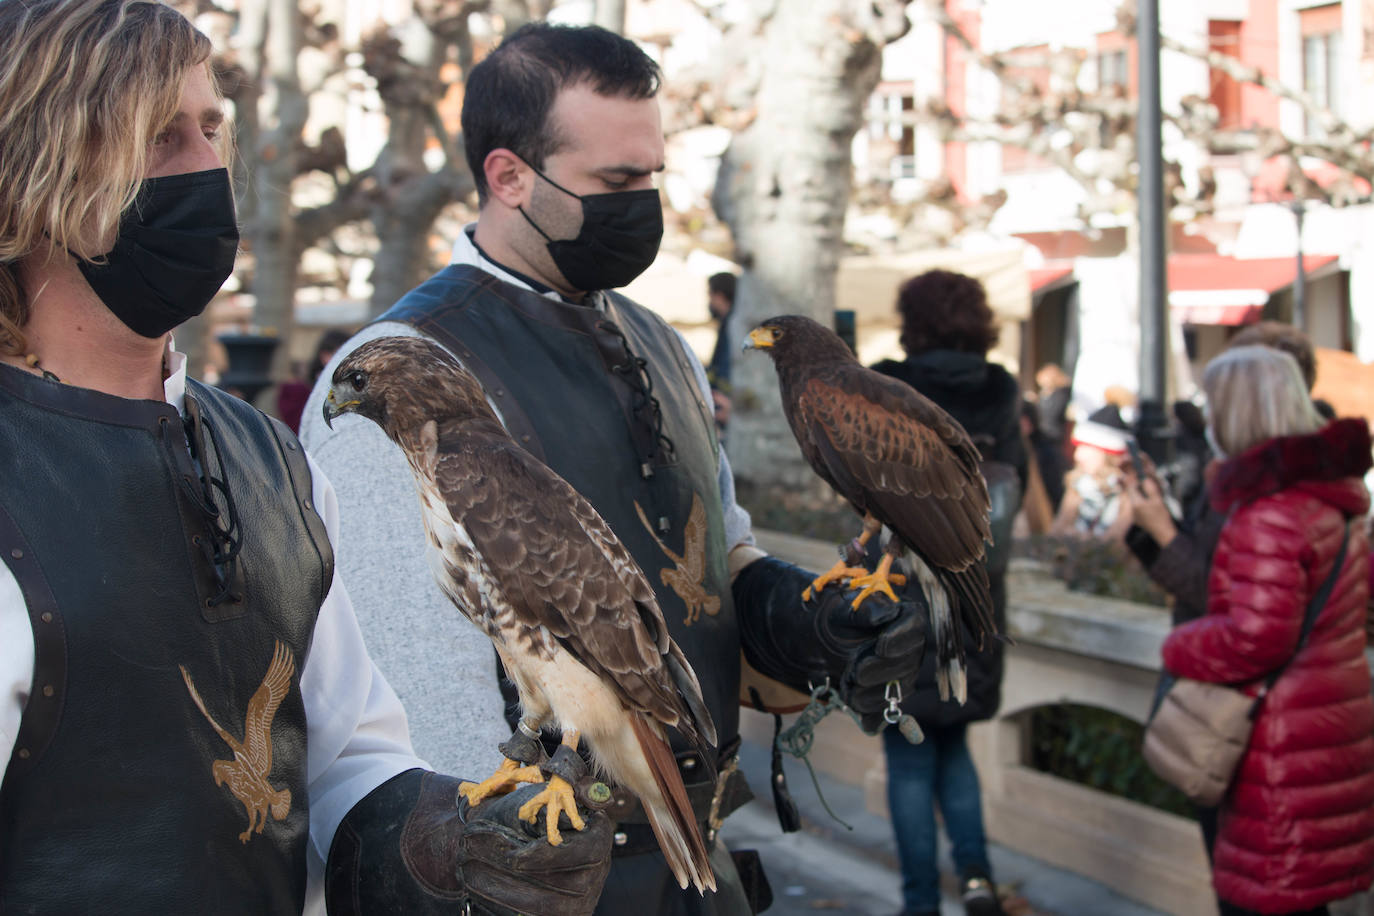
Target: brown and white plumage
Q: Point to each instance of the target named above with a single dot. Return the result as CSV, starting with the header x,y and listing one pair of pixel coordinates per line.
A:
x,y
901,461
529,560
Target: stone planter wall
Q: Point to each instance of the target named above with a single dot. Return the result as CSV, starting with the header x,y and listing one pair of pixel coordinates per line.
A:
x,y
1068,648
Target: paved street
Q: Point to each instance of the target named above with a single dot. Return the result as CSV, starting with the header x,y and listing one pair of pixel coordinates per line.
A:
x,y
825,868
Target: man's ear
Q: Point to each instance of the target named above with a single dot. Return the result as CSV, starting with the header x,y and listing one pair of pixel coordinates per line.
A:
x,y
509,179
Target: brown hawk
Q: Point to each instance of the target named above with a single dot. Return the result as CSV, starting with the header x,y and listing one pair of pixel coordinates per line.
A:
x,y
526,558
900,461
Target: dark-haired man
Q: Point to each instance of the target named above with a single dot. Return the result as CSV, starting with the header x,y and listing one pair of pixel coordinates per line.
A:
x,y
562,132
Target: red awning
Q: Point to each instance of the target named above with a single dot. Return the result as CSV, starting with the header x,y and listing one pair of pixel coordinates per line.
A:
x,y
1215,289
1043,278
1271,181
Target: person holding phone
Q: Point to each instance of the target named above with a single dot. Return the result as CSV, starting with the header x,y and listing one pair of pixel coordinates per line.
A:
x,y
1092,506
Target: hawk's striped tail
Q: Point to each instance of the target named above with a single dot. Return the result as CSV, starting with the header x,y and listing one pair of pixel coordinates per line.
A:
x,y
950,677
669,811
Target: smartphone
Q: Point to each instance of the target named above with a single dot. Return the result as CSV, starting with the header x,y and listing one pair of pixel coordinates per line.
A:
x,y
1133,449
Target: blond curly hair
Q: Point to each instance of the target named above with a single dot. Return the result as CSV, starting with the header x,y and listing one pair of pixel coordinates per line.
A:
x,y
85,87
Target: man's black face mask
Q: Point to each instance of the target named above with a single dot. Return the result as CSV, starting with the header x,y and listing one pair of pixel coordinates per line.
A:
x,y
618,241
175,248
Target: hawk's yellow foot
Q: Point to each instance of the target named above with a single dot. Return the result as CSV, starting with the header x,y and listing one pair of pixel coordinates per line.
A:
x,y
557,798
507,776
881,580
836,573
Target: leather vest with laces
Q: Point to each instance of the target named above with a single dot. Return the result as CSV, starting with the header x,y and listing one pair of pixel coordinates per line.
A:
x,y
608,400
160,763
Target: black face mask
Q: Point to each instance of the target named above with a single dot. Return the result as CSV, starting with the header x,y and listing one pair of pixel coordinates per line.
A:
x,y
618,241
175,249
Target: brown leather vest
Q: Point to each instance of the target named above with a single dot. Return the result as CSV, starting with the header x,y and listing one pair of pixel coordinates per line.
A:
x,y
161,762
569,392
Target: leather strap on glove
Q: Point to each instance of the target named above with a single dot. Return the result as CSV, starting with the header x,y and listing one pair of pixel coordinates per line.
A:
x,y
414,846
802,643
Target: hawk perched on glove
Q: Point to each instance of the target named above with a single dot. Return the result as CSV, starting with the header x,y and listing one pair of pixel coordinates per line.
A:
x,y
900,461
530,562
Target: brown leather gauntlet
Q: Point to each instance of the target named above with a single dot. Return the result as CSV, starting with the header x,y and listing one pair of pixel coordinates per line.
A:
x,y
414,846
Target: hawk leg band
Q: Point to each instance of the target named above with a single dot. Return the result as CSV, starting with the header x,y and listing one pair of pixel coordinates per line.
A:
x,y
524,748
569,765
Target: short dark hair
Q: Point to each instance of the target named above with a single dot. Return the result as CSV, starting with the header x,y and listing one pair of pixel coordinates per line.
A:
x,y
723,283
1281,336
944,310
509,95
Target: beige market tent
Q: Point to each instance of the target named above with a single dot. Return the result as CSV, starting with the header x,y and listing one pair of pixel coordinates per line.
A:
x,y
868,285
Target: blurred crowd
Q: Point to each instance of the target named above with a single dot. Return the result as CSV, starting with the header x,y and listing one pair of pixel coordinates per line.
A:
x,y
1239,509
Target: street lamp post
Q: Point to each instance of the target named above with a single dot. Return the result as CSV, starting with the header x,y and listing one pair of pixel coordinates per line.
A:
x,y
1300,281
1154,328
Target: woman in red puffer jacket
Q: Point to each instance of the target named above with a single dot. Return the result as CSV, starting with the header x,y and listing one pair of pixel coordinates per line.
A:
x,y
1297,826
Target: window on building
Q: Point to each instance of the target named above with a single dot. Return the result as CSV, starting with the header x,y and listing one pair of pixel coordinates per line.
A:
x,y
1111,69
892,129
1224,38
1321,59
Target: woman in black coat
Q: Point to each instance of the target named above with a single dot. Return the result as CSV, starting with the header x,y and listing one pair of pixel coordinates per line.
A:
x,y
947,330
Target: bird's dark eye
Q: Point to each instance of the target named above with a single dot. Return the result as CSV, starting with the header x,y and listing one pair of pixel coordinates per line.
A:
x,y
358,379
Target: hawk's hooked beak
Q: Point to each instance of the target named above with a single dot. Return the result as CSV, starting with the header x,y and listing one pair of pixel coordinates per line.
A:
x,y
759,339
334,406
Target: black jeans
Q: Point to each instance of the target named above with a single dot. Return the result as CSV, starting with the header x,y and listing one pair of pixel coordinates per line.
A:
x,y
1230,909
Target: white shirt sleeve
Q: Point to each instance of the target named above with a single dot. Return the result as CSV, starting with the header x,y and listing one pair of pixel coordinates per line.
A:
x,y
356,729
16,660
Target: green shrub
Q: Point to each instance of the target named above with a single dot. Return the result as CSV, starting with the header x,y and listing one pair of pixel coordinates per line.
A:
x,y
1098,748
1094,566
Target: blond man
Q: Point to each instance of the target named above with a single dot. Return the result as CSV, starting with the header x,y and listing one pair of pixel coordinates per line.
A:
x,y
190,719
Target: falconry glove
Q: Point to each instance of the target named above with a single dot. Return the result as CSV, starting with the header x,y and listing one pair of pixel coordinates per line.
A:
x,y
802,643
414,846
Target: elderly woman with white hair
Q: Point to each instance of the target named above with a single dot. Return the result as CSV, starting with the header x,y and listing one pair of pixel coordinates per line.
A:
x,y
1296,828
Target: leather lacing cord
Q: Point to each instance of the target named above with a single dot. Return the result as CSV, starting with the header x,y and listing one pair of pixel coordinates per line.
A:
x,y
635,372
224,544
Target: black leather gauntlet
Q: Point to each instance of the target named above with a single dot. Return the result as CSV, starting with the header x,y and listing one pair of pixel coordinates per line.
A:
x,y
801,643
414,846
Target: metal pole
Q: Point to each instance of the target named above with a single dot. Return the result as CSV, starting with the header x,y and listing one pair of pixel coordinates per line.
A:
x,y
1154,328
1300,281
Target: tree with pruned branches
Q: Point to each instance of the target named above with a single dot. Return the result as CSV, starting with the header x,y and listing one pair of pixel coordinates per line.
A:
x,y
278,62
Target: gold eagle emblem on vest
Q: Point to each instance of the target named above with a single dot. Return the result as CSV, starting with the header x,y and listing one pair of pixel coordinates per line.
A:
x,y
246,775
689,569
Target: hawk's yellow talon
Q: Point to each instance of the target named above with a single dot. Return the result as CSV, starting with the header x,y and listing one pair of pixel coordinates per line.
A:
x,y
870,588
557,798
836,573
881,580
507,776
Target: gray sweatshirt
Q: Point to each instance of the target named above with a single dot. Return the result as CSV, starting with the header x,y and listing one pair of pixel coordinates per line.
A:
x,y
443,667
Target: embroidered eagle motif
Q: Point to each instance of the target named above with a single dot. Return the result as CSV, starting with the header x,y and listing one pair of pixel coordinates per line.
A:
x,y
247,773
686,579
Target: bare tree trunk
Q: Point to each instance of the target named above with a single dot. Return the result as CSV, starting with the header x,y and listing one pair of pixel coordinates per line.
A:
x,y
403,215
403,258
271,37
783,189
610,14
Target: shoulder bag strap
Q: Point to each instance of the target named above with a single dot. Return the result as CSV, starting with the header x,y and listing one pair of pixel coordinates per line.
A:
x,y
1314,608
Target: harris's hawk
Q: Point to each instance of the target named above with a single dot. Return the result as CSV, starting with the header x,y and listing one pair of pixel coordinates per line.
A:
x,y
528,560
900,461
